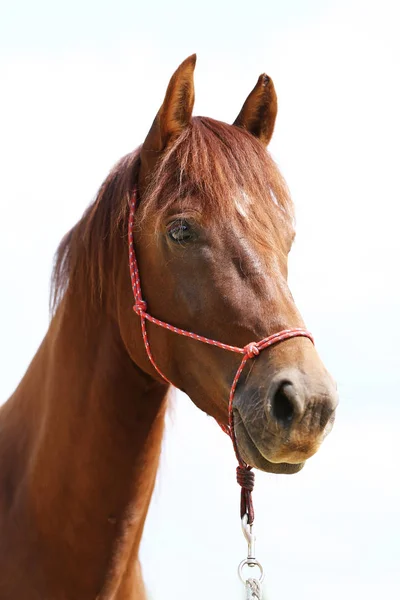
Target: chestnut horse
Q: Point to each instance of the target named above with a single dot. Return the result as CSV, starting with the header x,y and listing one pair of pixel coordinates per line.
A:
x,y
81,436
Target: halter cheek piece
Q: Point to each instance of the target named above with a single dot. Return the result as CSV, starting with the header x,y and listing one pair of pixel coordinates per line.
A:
x,y
244,475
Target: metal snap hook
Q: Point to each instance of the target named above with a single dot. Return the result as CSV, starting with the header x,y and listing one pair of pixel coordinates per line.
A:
x,y
250,539
251,560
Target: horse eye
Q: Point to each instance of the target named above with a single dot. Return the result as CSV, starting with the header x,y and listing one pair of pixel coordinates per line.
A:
x,y
180,231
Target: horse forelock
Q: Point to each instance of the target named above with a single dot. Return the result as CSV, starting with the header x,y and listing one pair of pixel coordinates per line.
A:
x,y
223,171
219,170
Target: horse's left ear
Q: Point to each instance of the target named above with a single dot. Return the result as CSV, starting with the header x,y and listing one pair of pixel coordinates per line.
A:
x,y
259,111
173,117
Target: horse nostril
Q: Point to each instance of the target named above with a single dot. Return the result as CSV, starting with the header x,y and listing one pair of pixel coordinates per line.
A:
x,y
284,403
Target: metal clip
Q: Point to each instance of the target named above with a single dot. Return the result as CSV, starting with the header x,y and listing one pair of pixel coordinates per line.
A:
x,y
251,560
250,539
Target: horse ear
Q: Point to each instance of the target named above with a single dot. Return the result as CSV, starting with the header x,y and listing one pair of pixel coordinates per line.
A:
x,y
174,115
259,111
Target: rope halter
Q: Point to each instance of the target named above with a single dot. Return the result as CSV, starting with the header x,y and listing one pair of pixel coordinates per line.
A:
x,y
245,477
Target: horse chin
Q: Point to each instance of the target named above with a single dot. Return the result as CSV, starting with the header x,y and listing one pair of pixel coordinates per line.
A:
x,y
253,457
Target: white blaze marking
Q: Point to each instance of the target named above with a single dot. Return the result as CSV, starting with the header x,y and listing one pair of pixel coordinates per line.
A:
x,y
242,203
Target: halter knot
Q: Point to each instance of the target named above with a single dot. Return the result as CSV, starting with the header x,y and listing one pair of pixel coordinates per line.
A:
x,y
245,478
140,307
251,350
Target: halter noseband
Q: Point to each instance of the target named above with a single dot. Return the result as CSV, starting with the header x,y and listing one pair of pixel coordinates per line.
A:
x,y
245,477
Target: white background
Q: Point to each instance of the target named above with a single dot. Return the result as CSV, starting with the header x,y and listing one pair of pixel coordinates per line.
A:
x,y
80,85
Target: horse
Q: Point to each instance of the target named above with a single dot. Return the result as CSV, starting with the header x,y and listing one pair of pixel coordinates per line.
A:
x,y
81,436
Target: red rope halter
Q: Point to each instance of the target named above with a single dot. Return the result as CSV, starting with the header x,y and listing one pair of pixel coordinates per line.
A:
x,y
245,477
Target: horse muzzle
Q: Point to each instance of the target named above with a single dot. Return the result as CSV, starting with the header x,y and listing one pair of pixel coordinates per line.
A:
x,y
280,425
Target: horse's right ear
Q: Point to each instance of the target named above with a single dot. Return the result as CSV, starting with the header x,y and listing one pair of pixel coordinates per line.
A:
x,y
173,117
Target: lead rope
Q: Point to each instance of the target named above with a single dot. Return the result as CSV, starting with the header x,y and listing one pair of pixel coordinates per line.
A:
x,y
253,589
244,474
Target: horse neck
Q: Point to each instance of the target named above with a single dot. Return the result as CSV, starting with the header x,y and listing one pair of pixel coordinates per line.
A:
x,y
84,432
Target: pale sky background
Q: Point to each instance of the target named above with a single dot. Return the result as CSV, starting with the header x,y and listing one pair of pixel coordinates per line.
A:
x,y
81,83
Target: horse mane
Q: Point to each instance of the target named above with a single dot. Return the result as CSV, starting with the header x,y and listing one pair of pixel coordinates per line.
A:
x,y
211,164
